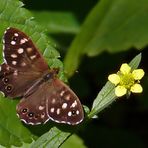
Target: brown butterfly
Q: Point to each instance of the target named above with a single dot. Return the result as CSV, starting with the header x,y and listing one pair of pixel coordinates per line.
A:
x,y
25,74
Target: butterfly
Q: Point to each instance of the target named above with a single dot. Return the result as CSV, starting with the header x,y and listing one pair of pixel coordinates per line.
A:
x,y
26,74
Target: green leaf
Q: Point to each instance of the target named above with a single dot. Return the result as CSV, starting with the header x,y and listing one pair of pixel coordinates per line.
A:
x,y
25,145
112,25
54,138
73,142
57,22
107,95
12,11
136,61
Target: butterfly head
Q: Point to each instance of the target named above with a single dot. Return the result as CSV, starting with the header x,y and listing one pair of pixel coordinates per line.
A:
x,y
51,74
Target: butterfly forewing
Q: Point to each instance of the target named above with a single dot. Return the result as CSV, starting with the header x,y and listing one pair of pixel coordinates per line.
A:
x,y
23,64
20,52
25,73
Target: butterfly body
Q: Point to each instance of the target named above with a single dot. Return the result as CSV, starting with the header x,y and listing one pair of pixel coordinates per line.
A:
x,y
25,74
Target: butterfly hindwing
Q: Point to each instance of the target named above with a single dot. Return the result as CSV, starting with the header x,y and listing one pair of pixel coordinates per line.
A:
x,y
34,105
63,105
52,100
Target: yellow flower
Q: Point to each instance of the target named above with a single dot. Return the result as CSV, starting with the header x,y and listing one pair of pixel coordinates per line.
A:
x,y
127,80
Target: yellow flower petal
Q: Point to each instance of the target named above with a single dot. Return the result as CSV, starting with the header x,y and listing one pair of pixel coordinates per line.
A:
x,y
136,88
114,78
138,74
120,91
125,68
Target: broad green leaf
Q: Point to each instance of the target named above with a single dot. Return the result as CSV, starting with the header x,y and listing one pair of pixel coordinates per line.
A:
x,y
12,11
54,138
57,22
106,96
112,25
73,142
25,145
136,61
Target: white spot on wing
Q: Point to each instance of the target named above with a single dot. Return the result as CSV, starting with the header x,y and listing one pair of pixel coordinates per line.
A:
x,y
62,93
74,104
58,111
23,41
53,101
67,97
52,110
23,64
13,55
13,42
14,62
69,113
15,34
20,50
77,112
33,57
64,106
41,107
